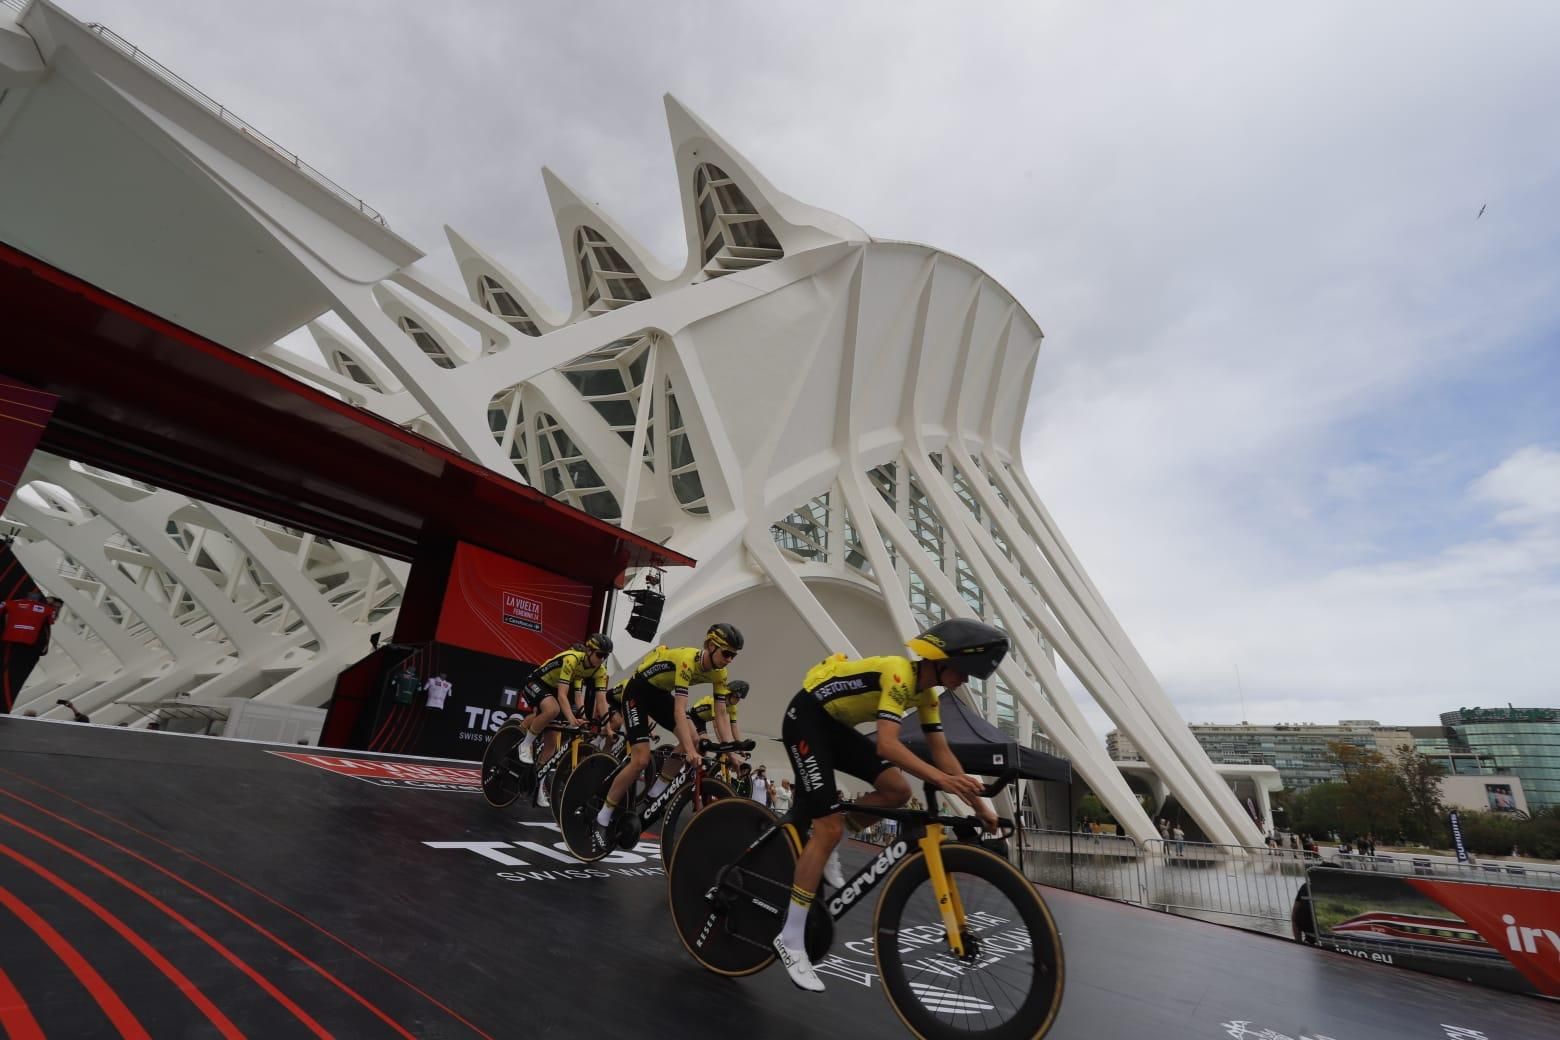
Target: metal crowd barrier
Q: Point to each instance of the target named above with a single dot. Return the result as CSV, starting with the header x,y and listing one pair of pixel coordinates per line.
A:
x,y
1251,888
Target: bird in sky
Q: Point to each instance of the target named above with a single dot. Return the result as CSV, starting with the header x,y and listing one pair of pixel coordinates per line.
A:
x,y
1482,209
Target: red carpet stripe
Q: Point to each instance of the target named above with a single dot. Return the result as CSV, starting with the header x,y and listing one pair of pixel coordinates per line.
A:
x,y
173,974
239,882
299,1012
195,929
15,1016
128,1025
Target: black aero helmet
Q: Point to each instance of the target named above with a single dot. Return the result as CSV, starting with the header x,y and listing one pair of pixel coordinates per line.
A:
x,y
973,647
724,636
599,643
738,688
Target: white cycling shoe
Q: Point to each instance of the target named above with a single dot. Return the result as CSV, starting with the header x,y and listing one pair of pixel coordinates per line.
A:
x,y
833,873
798,967
527,752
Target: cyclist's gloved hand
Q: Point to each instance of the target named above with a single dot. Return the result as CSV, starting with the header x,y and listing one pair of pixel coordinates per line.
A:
x,y
964,785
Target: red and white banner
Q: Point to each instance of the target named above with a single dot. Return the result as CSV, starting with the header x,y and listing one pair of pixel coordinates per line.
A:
x,y
496,605
416,775
1522,923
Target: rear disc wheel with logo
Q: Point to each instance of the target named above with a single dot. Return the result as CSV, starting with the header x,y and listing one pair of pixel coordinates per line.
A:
x,y
1012,977
583,795
728,902
504,776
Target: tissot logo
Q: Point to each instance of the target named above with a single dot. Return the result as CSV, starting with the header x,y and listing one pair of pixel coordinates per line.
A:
x,y
522,612
873,874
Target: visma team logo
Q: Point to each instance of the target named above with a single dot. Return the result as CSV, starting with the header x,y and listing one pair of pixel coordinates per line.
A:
x,y
522,612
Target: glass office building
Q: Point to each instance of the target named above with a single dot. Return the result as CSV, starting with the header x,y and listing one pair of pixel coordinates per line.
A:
x,y
1299,751
1522,741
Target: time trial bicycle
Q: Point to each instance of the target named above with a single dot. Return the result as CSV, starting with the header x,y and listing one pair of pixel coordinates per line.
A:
x,y
964,944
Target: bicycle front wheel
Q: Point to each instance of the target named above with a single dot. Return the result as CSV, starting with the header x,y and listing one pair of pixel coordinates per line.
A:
x,y
1008,985
682,810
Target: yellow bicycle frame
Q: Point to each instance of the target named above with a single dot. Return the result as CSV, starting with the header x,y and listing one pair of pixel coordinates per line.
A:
x,y
947,893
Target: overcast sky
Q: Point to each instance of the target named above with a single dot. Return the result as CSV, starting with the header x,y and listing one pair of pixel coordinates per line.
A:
x,y
1297,407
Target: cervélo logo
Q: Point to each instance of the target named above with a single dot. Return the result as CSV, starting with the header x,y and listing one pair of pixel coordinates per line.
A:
x,y
522,612
880,866
393,774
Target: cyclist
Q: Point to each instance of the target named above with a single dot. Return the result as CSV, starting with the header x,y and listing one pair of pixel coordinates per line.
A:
x,y
721,710
557,686
658,691
819,733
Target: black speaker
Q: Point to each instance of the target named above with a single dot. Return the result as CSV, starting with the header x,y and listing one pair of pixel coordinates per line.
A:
x,y
646,616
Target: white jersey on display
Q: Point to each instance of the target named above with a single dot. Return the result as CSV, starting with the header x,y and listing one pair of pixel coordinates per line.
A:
x,y
438,689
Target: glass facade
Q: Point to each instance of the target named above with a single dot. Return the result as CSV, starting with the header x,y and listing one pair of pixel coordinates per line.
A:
x,y
1299,752
1522,741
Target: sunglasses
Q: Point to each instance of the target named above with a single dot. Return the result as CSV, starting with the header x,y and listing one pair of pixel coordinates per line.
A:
x,y
729,655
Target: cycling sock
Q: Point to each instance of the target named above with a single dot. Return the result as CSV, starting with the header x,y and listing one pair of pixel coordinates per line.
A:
x,y
794,934
604,817
530,738
657,787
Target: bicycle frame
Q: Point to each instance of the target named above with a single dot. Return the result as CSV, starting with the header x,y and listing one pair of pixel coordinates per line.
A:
x,y
693,771
926,831
572,750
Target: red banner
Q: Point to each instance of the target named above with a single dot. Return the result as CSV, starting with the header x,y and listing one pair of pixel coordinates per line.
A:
x,y
1522,923
499,606
23,414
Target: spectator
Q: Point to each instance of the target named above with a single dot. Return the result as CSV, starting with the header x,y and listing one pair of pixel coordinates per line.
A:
x,y
761,786
1180,839
23,639
783,798
1164,828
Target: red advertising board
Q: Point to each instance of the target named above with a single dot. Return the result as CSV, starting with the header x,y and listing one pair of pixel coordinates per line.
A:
x,y
496,605
24,412
1522,923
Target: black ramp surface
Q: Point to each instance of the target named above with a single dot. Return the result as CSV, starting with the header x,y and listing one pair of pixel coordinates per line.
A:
x,y
165,886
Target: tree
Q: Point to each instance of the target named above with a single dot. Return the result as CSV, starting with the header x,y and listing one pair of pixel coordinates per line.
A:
x,y
1374,798
1421,781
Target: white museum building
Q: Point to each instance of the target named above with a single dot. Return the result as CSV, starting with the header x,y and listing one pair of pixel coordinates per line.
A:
x,y
827,421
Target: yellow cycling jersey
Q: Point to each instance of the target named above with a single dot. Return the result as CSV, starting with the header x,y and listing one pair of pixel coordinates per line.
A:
x,y
871,688
674,669
703,709
570,667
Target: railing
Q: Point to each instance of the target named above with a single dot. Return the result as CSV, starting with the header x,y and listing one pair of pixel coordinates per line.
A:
x,y
221,111
1251,888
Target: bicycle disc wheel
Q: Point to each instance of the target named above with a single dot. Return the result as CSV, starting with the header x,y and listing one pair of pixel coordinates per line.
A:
x,y
681,811
582,797
503,774
728,904
1009,985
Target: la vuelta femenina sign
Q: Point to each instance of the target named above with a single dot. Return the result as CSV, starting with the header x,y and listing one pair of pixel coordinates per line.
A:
x,y
522,612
